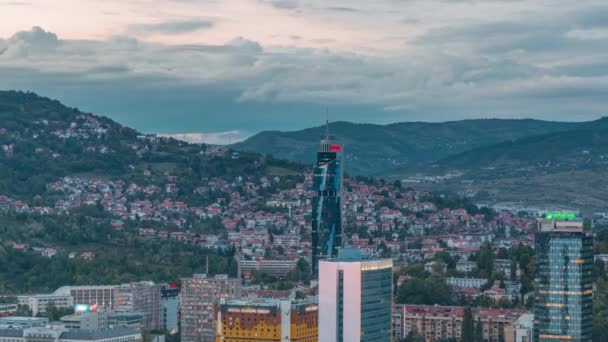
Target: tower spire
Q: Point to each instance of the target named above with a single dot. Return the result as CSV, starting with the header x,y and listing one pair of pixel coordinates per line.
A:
x,y
326,124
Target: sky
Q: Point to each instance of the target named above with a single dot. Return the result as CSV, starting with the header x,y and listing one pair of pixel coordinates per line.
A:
x,y
222,70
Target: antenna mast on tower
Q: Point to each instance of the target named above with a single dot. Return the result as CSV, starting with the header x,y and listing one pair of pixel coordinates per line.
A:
x,y
326,123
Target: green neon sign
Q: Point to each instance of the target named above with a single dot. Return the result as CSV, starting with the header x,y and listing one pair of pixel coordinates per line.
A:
x,y
561,216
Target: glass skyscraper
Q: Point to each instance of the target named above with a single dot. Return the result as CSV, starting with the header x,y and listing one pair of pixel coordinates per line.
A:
x,y
355,298
327,204
564,282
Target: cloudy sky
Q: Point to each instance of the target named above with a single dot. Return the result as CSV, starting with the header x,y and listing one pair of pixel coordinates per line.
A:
x,y
231,68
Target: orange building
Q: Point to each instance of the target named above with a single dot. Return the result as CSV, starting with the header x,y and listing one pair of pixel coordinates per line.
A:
x,y
269,320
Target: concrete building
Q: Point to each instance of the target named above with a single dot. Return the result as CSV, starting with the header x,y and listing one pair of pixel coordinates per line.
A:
x,y
54,334
269,320
355,298
522,330
126,319
169,296
19,322
199,295
564,280
100,295
142,297
275,268
435,322
39,302
86,321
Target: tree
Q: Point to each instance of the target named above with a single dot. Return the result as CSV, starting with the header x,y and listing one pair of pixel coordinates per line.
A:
x,y
479,331
429,291
468,326
23,310
485,260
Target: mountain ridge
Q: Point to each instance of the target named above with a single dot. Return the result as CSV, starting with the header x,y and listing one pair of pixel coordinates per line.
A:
x,y
391,148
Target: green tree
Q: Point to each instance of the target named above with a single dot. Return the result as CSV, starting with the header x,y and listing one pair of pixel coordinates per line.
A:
x,y
485,260
479,331
468,333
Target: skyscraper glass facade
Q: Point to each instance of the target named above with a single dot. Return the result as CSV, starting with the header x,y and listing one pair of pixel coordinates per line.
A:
x,y
564,286
376,304
327,204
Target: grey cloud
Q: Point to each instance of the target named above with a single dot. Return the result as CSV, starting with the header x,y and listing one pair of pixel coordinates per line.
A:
x,y
109,69
174,27
36,37
285,4
342,9
520,66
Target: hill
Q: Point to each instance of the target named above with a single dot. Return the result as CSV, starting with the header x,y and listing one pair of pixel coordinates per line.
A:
x,y
566,168
90,191
43,140
381,150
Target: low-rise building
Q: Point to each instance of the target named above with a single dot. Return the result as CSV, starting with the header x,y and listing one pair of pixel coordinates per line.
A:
x,y
19,322
466,266
473,283
272,267
268,320
100,295
55,334
435,322
86,321
39,302
522,330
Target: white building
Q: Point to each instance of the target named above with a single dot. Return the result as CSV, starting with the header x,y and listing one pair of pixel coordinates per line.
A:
x,y
355,298
55,334
102,295
466,266
462,283
38,303
522,329
86,321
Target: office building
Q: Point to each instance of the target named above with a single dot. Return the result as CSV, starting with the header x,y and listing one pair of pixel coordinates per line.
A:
x,y
142,297
100,295
564,281
199,295
39,302
268,320
94,321
327,203
355,298
169,295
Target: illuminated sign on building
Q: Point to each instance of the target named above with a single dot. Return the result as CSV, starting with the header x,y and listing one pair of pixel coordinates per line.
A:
x,y
561,216
84,308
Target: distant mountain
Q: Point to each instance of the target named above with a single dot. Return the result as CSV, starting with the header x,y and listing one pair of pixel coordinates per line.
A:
x,y
584,147
380,150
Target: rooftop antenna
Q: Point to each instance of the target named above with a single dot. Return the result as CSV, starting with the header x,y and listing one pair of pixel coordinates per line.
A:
x,y
326,124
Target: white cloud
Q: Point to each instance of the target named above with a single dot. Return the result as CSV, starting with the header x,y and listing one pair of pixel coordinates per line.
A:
x,y
217,138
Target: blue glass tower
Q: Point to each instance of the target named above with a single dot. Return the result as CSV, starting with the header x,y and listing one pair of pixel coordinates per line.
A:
x,y
564,282
327,204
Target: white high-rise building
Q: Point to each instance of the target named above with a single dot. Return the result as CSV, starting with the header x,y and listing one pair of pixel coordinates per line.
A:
x,y
355,298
